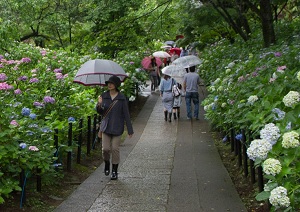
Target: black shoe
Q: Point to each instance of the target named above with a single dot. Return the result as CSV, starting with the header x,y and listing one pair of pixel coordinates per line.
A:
x,y
114,172
114,175
106,168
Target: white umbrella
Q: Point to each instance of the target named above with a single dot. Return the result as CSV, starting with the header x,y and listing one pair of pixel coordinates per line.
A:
x,y
187,61
96,72
161,54
174,71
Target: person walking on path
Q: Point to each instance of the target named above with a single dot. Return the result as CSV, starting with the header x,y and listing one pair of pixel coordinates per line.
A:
x,y
177,100
191,81
166,86
154,74
114,106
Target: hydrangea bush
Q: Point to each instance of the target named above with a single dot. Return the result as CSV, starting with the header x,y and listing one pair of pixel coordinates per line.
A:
x,y
258,90
37,95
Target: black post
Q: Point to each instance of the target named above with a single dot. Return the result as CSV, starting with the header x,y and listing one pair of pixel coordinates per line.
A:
x,y
79,141
22,185
232,139
56,143
260,179
94,130
38,180
245,157
239,151
88,146
236,149
252,172
69,157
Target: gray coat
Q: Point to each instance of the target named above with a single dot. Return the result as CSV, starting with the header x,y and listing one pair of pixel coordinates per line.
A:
x,y
118,116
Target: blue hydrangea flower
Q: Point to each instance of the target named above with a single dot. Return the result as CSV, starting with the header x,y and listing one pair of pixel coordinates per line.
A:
x,y
30,133
25,111
225,138
239,137
46,129
71,119
22,145
32,116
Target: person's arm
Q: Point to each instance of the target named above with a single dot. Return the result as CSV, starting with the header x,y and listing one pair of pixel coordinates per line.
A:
x,y
184,84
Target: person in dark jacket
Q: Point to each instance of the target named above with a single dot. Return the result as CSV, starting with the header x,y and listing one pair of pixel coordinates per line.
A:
x,y
117,117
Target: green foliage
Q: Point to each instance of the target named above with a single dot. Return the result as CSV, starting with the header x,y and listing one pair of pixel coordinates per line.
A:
x,y
247,86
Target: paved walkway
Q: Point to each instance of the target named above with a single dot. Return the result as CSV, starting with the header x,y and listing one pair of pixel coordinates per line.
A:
x,y
165,167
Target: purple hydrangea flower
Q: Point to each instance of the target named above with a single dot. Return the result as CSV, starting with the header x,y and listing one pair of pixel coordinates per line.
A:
x,y
38,104
17,91
26,60
57,70
23,78
49,99
5,86
3,77
277,54
33,80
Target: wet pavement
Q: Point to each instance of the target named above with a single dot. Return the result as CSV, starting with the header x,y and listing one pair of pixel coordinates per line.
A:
x,y
165,167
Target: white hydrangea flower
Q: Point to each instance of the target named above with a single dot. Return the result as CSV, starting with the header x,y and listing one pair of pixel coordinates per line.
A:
x,y
290,140
292,98
259,148
252,99
298,75
230,65
228,70
272,166
279,198
132,98
216,81
270,133
223,104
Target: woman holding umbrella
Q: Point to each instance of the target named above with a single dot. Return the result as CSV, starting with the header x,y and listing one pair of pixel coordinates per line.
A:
x,y
113,107
166,86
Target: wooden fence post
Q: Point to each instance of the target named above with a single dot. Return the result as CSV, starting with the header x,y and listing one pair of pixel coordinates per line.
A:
x,y
38,180
245,157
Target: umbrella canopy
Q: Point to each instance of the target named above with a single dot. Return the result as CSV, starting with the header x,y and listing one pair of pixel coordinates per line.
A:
x,y
166,47
96,72
170,43
161,54
174,71
146,62
187,61
175,51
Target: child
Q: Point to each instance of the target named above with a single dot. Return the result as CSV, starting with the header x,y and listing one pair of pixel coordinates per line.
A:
x,y
177,101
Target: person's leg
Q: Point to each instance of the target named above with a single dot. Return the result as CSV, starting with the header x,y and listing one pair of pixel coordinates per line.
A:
x,y
152,83
196,104
116,140
188,97
155,82
106,149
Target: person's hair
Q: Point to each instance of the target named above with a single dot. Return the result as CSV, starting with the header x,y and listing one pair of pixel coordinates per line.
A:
x,y
166,77
192,68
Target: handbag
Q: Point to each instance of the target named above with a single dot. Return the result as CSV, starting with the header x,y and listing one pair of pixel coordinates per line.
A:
x,y
104,121
175,89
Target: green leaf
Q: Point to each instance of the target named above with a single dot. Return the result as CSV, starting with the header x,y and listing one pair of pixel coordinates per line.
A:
x,y
264,195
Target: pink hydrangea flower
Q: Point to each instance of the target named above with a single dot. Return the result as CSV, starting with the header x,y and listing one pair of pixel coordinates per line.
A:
x,y
14,122
33,148
5,86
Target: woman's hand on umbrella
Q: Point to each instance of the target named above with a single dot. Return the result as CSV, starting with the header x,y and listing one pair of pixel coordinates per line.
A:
x,y
100,99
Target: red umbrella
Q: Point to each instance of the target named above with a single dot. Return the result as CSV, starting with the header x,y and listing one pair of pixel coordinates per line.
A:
x,y
146,62
176,51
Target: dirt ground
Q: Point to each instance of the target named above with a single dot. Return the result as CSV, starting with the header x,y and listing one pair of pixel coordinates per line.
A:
x,y
51,196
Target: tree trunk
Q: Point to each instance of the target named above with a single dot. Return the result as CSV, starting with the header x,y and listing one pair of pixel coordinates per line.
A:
x,y
267,22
